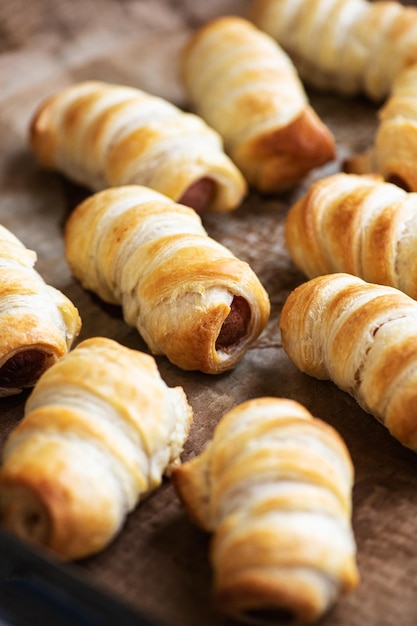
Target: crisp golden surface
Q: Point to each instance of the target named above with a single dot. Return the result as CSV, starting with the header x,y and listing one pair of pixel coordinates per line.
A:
x,y
353,47
394,151
103,135
38,323
136,248
100,429
274,487
246,87
363,337
356,224
350,46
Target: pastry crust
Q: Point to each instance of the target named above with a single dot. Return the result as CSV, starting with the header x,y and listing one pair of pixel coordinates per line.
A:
x,y
394,152
100,429
361,336
103,135
378,223
274,487
347,46
38,323
246,87
189,297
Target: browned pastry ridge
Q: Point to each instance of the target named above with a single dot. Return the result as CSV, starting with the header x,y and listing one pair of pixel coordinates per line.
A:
x,y
245,86
363,337
100,429
188,296
274,486
360,225
103,135
347,46
394,151
38,323
352,47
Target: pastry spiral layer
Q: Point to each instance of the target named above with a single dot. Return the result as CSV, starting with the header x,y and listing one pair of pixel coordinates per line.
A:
x,y
348,46
393,154
359,225
246,87
363,337
274,487
100,429
103,135
189,297
38,323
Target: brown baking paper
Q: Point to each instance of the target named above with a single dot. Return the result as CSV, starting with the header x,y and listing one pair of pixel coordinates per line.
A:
x,y
159,562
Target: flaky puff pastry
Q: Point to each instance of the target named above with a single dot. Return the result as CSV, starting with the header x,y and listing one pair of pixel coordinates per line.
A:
x,y
362,337
38,323
360,225
188,296
393,154
246,87
103,135
100,430
347,46
274,487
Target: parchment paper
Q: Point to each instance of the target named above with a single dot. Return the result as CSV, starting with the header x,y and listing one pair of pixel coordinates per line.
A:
x,y
159,562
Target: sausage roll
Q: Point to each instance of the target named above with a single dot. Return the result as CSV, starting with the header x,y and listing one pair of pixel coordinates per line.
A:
x,y
246,87
100,429
274,486
103,135
38,323
348,46
363,337
188,296
378,224
393,154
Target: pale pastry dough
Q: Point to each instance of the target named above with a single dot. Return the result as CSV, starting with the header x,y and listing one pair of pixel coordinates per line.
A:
x,y
394,152
38,323
356,224
245,86
100,429
103,135
274,486
347,46
188,296
363,337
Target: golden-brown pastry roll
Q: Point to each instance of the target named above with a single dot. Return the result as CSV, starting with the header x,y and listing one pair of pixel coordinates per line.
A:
x,y
246,87
38,323
188,296
103,135
100,430
363,337
393,154
347,46
360,225
274,486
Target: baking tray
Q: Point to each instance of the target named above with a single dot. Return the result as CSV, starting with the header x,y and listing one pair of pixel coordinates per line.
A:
x,y
38,591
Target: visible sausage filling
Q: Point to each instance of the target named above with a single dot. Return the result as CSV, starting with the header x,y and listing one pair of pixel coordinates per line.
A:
x,y
22,512
400,182
235,325
199,195
23,369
